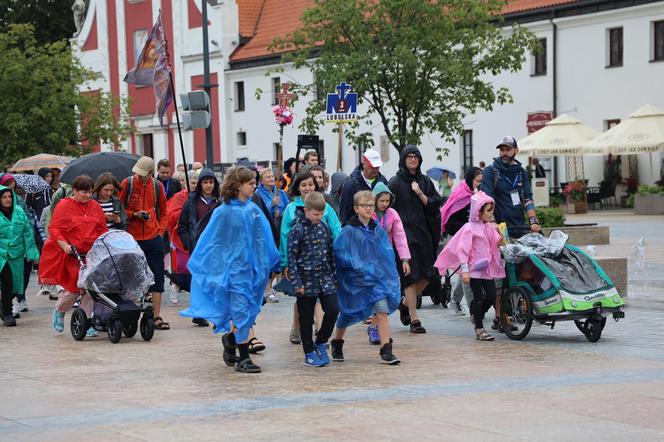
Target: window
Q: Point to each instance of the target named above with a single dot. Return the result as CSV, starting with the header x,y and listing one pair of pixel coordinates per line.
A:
x,y
658,41
241,138
608,124
239,96
146,142
467,149
276,89
539,59
139,40
615,49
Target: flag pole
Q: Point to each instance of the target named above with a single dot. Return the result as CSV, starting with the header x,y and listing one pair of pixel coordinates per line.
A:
x,y
177,119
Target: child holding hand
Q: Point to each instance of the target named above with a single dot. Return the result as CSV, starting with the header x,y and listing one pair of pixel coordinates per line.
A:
x,y
475,248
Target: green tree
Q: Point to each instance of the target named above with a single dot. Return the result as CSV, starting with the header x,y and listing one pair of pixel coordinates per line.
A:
x,y
52,19
43,108
420,65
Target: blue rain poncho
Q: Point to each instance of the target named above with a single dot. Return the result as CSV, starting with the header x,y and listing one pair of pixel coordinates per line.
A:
x,y
366,271
230,268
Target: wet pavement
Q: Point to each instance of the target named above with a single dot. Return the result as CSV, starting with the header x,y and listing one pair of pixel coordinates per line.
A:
x,y
552,385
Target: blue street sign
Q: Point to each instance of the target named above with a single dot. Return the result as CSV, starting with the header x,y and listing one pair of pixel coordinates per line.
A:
x,y
342,105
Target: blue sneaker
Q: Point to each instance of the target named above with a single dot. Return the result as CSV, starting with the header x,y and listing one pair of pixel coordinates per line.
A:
x,y
374,337
91,333
321,350
313,360
58,322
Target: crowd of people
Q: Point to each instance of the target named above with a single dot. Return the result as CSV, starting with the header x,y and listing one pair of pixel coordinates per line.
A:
x,y
357,252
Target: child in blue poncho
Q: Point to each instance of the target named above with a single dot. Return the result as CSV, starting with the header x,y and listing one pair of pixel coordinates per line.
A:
x,y
230,267
368,279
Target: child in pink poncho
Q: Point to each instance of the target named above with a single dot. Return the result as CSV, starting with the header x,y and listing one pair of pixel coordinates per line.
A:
x,y
389,220
475,249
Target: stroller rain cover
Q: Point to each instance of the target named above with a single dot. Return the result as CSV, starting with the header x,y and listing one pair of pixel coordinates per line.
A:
x,y
116,264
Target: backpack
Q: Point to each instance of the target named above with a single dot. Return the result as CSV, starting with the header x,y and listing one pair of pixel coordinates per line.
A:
x,y
130,189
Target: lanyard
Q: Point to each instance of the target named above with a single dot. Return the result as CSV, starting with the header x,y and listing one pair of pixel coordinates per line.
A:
x,y
168,182
513,183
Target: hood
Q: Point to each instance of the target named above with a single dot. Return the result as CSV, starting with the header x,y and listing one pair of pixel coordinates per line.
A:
x,y
205,173
287,164
338,179
477,201
409,149
6,177
355,222
43,172
9,211
382,188
512,168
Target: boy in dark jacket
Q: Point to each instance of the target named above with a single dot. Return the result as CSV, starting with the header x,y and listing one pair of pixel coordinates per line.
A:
x,y
312,273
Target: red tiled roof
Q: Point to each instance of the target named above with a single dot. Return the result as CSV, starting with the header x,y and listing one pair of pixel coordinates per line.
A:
x,y
267,19
527,5
250,12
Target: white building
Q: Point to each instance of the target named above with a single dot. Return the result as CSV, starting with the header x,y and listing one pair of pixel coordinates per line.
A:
x,y
602,62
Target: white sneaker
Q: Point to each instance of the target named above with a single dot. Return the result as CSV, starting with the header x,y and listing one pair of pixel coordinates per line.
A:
x,y
23,306
272,297
45,290
458,309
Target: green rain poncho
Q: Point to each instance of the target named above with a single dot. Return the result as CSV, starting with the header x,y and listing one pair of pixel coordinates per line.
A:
x,y
16,242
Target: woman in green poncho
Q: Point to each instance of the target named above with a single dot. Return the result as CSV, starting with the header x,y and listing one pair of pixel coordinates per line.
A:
x,y
16,243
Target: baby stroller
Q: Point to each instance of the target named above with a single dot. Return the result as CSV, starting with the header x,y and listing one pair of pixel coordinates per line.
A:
x,y
549,281
116,275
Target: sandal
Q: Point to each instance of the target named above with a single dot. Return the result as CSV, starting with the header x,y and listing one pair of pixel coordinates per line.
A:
x,y
247,366
482,335
416,327
255,346
160,324
229,354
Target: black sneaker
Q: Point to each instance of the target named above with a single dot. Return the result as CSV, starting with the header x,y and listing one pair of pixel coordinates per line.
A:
x,y
416,327
404,314
9,321
200,322
386,355
247,366
337,346
230,352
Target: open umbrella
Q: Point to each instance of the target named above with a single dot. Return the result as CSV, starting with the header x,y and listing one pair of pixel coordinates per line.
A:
x,y
31,183
436,173
564,135
642,132
36,162
94,164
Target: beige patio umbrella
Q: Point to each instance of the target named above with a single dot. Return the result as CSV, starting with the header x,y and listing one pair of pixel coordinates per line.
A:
x,y
641,132
36,162
564,135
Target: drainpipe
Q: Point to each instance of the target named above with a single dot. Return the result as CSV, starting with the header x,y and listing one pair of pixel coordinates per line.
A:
x,y
555,87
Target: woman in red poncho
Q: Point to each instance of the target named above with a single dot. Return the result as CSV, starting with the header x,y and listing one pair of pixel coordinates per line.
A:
x,y
77,221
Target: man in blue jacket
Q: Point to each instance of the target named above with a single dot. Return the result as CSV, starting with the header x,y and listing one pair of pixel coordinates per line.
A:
x,y
507,182
364,177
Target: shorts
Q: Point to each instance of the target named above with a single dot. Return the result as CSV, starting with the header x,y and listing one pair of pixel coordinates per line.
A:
x,y
380,306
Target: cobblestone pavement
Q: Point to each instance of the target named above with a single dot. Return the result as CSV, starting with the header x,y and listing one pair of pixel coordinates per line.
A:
x,y
550,386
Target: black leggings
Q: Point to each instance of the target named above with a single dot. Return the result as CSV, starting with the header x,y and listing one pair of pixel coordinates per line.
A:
x,y
305,311
484,297
6,290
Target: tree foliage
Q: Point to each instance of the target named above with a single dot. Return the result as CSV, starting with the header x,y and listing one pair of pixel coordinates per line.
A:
x,y
52,19
43,109
420,65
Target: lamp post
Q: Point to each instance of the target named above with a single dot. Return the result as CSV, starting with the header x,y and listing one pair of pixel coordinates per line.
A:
x,y
207,86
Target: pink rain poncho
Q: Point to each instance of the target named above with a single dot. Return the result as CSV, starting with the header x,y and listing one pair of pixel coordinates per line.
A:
x,y
475,244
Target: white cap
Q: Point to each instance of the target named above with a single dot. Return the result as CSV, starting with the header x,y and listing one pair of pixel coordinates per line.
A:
x,y
373,158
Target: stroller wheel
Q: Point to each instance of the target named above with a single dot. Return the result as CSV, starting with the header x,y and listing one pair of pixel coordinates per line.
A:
x,y
516,312
446,291
130,330
592,328
147,327
115,331
79,324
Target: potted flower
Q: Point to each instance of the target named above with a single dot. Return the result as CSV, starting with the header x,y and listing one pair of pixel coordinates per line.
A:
x,y
649,200
575,194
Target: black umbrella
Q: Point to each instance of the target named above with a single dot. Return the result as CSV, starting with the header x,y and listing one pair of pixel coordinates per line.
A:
x,y
94,164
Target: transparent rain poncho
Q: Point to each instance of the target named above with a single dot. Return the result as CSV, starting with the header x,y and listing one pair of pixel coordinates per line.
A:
x,y
535,244
116,265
